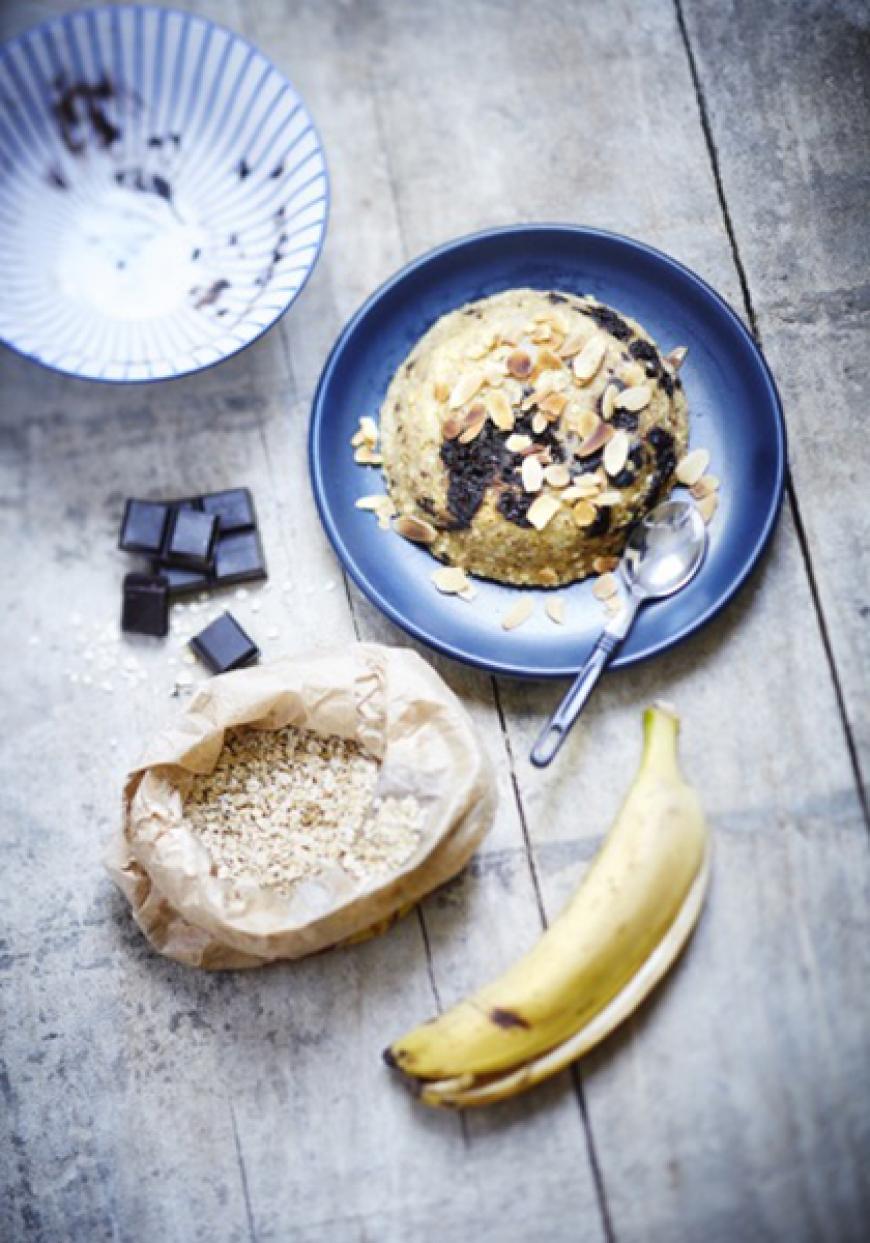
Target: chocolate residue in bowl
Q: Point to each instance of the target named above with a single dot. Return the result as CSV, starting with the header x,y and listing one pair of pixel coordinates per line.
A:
x,y
80,113
209,296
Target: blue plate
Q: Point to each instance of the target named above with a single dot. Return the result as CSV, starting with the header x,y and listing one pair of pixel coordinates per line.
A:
x,y
734,410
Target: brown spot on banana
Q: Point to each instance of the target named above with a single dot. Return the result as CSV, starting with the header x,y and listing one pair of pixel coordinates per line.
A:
x,y
507,1018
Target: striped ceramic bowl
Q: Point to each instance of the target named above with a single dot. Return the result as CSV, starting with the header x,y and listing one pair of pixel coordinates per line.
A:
x,y
163,193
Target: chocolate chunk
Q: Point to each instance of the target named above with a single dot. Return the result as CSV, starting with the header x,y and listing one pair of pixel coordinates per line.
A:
x,y
191,539
238,558
143,526
234,509
224,645
145,607
182,582
609,321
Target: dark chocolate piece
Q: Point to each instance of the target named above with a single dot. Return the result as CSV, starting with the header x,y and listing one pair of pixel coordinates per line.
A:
x,y
238,558
181,582
146,604
191,539
224,645
234,509
143,526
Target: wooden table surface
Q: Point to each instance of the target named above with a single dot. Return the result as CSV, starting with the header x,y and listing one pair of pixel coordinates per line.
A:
x,y
145,1101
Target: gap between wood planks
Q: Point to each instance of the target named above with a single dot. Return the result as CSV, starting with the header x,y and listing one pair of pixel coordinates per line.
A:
x,y
791,492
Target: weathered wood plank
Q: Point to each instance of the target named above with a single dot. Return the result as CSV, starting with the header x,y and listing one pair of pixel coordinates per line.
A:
x,y
722,1144
794,160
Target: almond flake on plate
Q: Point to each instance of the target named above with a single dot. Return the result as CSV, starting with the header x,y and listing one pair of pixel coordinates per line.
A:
x,y
708,505
372,502
677,357
633,398
605,587
589,359
542,510
692,466
519,613
367,457
555,609
616,452
451,580
417,530
705,485
533,474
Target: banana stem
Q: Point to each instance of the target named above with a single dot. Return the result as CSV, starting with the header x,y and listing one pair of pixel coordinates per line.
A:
x,y
661,728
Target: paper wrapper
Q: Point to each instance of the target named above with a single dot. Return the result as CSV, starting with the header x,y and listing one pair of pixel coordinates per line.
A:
x,y
386,699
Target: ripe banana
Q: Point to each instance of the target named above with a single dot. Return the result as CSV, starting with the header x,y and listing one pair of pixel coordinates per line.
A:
x,y
613,942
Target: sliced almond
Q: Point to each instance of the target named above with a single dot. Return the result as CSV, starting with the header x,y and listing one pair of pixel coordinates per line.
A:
x,y
608,401
584,513
368,429
692,466
543,332
597,440
465,388
493,373
605,587
548,361
499,409
677,357
367,457
603,565
589,359
705,485
472,423
613,605
555,610
616,452
579,490
520,364
451,427
586,423
557,475
518,613
608,497
357,439
517,442
372,502
468,594
417,530
633,398
533,474
631,374
539,422
478,349
554,403
542,510
440,390
708,505
574,342
451,579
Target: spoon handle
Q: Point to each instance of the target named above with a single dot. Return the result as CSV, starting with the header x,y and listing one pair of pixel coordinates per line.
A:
x,y
559,725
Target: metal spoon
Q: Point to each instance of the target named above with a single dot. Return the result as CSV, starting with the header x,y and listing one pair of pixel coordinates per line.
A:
x,y
664,551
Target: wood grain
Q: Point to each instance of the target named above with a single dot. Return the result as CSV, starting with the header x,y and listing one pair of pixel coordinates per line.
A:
x,y
144,1100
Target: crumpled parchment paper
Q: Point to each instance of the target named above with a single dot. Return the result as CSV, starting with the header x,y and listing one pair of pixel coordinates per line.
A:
x,y
388,700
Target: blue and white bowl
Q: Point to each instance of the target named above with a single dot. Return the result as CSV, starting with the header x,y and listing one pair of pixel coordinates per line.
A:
x,y
163,193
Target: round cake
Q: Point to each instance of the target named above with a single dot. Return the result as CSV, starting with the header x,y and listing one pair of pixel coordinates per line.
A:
x,y
526,433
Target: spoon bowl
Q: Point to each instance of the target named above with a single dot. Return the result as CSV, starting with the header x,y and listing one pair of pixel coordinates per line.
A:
x,y
664,552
